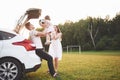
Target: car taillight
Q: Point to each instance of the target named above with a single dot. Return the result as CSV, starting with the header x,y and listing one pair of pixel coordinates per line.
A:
x,y
26,43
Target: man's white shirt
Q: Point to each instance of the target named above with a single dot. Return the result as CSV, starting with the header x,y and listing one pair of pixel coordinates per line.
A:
x,y
36,39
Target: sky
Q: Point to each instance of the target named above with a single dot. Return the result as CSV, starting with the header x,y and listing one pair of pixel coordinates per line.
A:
x,y
58,10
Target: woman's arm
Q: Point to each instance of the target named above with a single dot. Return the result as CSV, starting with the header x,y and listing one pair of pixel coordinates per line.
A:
x,y
58,35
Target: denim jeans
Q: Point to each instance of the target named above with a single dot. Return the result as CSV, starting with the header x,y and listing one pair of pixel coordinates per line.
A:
x,y
43,55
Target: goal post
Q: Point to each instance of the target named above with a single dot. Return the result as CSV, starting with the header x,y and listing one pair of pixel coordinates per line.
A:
x,y
73,46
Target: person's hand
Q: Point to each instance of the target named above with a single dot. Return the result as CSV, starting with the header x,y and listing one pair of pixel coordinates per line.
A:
x,y
47,43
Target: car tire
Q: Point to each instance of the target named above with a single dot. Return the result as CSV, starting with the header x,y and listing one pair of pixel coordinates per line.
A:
x,y
10,69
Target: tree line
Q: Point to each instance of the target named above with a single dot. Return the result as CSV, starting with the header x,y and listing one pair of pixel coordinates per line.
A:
x,y
92,33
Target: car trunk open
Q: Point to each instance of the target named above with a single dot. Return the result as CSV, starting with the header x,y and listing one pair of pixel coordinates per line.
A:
x,y
32,13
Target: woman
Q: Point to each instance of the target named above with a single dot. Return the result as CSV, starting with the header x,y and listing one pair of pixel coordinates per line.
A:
x,y
55,48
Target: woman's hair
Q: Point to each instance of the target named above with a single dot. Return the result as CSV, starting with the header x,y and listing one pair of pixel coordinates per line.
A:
x,y
58,29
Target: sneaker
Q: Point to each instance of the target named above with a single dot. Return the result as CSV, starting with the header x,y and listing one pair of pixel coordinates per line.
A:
x,y
55,75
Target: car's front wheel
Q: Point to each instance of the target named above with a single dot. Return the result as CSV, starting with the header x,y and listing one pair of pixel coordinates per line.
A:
x,y
10,69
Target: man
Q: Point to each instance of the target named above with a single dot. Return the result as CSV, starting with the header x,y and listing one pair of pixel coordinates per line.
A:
x,y
35,36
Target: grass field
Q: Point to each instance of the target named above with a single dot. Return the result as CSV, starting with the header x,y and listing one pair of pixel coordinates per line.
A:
x,y
103,65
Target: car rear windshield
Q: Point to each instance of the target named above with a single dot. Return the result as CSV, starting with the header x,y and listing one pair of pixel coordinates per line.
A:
x,y
6,35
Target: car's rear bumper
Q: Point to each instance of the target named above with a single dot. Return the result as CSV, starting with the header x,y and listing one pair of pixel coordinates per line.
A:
x,y
33,69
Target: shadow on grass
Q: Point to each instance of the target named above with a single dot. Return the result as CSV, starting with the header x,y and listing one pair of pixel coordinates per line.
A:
x,y
26,77
30,78
61,76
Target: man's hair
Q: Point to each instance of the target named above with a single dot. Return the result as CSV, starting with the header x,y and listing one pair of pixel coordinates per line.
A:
x,y
27,24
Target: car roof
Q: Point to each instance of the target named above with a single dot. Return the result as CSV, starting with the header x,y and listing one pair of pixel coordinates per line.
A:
x,y
7,30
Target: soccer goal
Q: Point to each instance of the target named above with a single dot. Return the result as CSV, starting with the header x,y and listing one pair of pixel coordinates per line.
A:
x,y
71,48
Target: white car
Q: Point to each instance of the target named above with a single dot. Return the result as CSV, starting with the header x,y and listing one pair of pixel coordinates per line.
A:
x,y
16,55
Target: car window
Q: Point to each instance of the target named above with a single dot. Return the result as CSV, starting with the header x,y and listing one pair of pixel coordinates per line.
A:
x,y
6,35
1,37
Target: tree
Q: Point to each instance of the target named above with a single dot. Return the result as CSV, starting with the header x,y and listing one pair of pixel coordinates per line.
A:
x,y
90,30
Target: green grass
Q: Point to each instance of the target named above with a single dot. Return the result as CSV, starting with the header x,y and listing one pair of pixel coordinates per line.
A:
x,y
84,66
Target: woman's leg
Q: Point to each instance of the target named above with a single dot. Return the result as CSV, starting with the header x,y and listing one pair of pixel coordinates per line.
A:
x,y
56,64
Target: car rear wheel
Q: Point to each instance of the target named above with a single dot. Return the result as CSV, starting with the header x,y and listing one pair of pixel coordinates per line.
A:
x,y
10,69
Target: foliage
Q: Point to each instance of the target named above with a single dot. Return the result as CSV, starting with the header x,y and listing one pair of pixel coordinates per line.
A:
x,y
92,33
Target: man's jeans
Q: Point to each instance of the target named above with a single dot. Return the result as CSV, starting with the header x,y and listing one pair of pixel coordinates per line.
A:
x,y
42,54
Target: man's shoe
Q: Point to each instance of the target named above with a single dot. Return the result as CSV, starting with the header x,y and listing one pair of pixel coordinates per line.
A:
x,y
55,75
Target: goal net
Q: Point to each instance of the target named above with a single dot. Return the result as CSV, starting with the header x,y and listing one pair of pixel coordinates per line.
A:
x,y
71,48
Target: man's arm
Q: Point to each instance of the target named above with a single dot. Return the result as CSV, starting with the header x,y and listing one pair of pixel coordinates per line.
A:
x,y
41,34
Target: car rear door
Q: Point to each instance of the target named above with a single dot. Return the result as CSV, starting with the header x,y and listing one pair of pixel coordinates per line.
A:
x,y
32,13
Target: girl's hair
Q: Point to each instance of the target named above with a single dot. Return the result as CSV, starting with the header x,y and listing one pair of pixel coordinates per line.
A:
x,y
47,17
